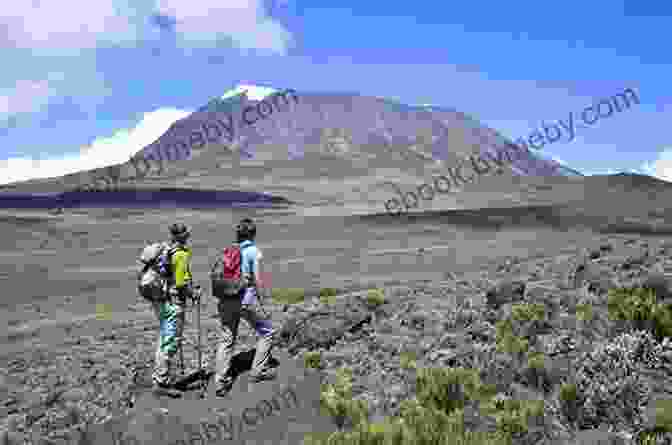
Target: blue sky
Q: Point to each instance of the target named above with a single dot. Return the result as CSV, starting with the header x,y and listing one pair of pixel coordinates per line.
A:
x,y
86,84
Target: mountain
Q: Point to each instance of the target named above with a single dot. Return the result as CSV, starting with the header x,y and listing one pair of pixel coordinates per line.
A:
x,y
310,148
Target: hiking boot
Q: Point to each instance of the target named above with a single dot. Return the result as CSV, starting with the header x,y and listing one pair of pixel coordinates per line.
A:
x,y
223,387
265,374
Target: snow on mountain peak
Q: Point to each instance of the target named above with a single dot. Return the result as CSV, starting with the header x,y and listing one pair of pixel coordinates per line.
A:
x,y
253,92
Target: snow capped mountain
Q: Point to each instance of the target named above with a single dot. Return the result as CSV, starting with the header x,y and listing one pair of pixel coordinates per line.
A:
x,y
236,98
332,133
253,92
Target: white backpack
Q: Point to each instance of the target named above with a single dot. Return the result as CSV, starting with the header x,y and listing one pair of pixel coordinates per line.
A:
x,y
153,276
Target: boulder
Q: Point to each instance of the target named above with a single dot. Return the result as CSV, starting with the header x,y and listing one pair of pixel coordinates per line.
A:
x,y
606,247
660,284
320,328
509,291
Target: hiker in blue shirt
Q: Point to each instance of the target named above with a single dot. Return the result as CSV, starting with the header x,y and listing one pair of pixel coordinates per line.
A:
x,y
246,306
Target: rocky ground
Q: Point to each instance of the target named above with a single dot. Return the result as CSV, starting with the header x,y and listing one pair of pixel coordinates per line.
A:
x,y
47,392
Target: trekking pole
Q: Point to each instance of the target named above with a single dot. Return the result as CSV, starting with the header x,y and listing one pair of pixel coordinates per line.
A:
x,y
182,321
197,301
181,357
201,371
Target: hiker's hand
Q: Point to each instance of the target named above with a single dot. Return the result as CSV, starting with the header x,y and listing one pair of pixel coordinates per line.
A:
x,y
196,293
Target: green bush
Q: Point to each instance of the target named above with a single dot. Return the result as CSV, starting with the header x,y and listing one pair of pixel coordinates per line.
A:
x,y
328,295
375,297
418,428
336,400
312,359
663,416
535,360
434,417
446,389
584,311
407,360
328,292
568,392
288,295
649,437
513,417
569,399
507,341
638,306
610,390
528,312
631,304
536,373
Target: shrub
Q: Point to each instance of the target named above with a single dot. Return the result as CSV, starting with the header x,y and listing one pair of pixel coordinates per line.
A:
x,y
638,307
288,295
535,360
584,311
651,437
609,390
663,415
337,400
537,374
407,360
419,427
328,295
446,389
375,297
528,312
513,416
312,359
507,341
655,434
435,416
568,398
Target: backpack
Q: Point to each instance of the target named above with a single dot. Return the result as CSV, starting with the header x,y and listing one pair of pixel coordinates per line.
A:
x,y
225,274
155,272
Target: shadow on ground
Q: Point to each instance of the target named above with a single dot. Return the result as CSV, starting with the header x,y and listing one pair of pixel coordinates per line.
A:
x,y
240,363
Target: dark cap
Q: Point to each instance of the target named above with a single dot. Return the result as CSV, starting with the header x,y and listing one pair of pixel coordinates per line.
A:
x,y
246,230
179,231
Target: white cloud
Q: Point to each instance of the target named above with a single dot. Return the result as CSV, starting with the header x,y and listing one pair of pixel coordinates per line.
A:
x,y
102,152
42,34
66,23
74,75
245,22
25,96
661,168
50,24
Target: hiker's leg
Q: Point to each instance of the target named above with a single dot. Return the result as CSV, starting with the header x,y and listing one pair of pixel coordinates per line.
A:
x,y
229,317
257,317
165,371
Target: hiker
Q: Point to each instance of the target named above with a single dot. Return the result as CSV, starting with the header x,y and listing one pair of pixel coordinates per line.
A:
x,y
171,311
241,300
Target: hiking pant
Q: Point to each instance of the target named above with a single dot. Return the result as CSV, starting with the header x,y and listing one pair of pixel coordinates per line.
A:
x,y
230,313
171,326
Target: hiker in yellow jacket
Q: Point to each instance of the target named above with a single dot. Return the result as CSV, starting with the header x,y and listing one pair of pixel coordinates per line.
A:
x,y
171,313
